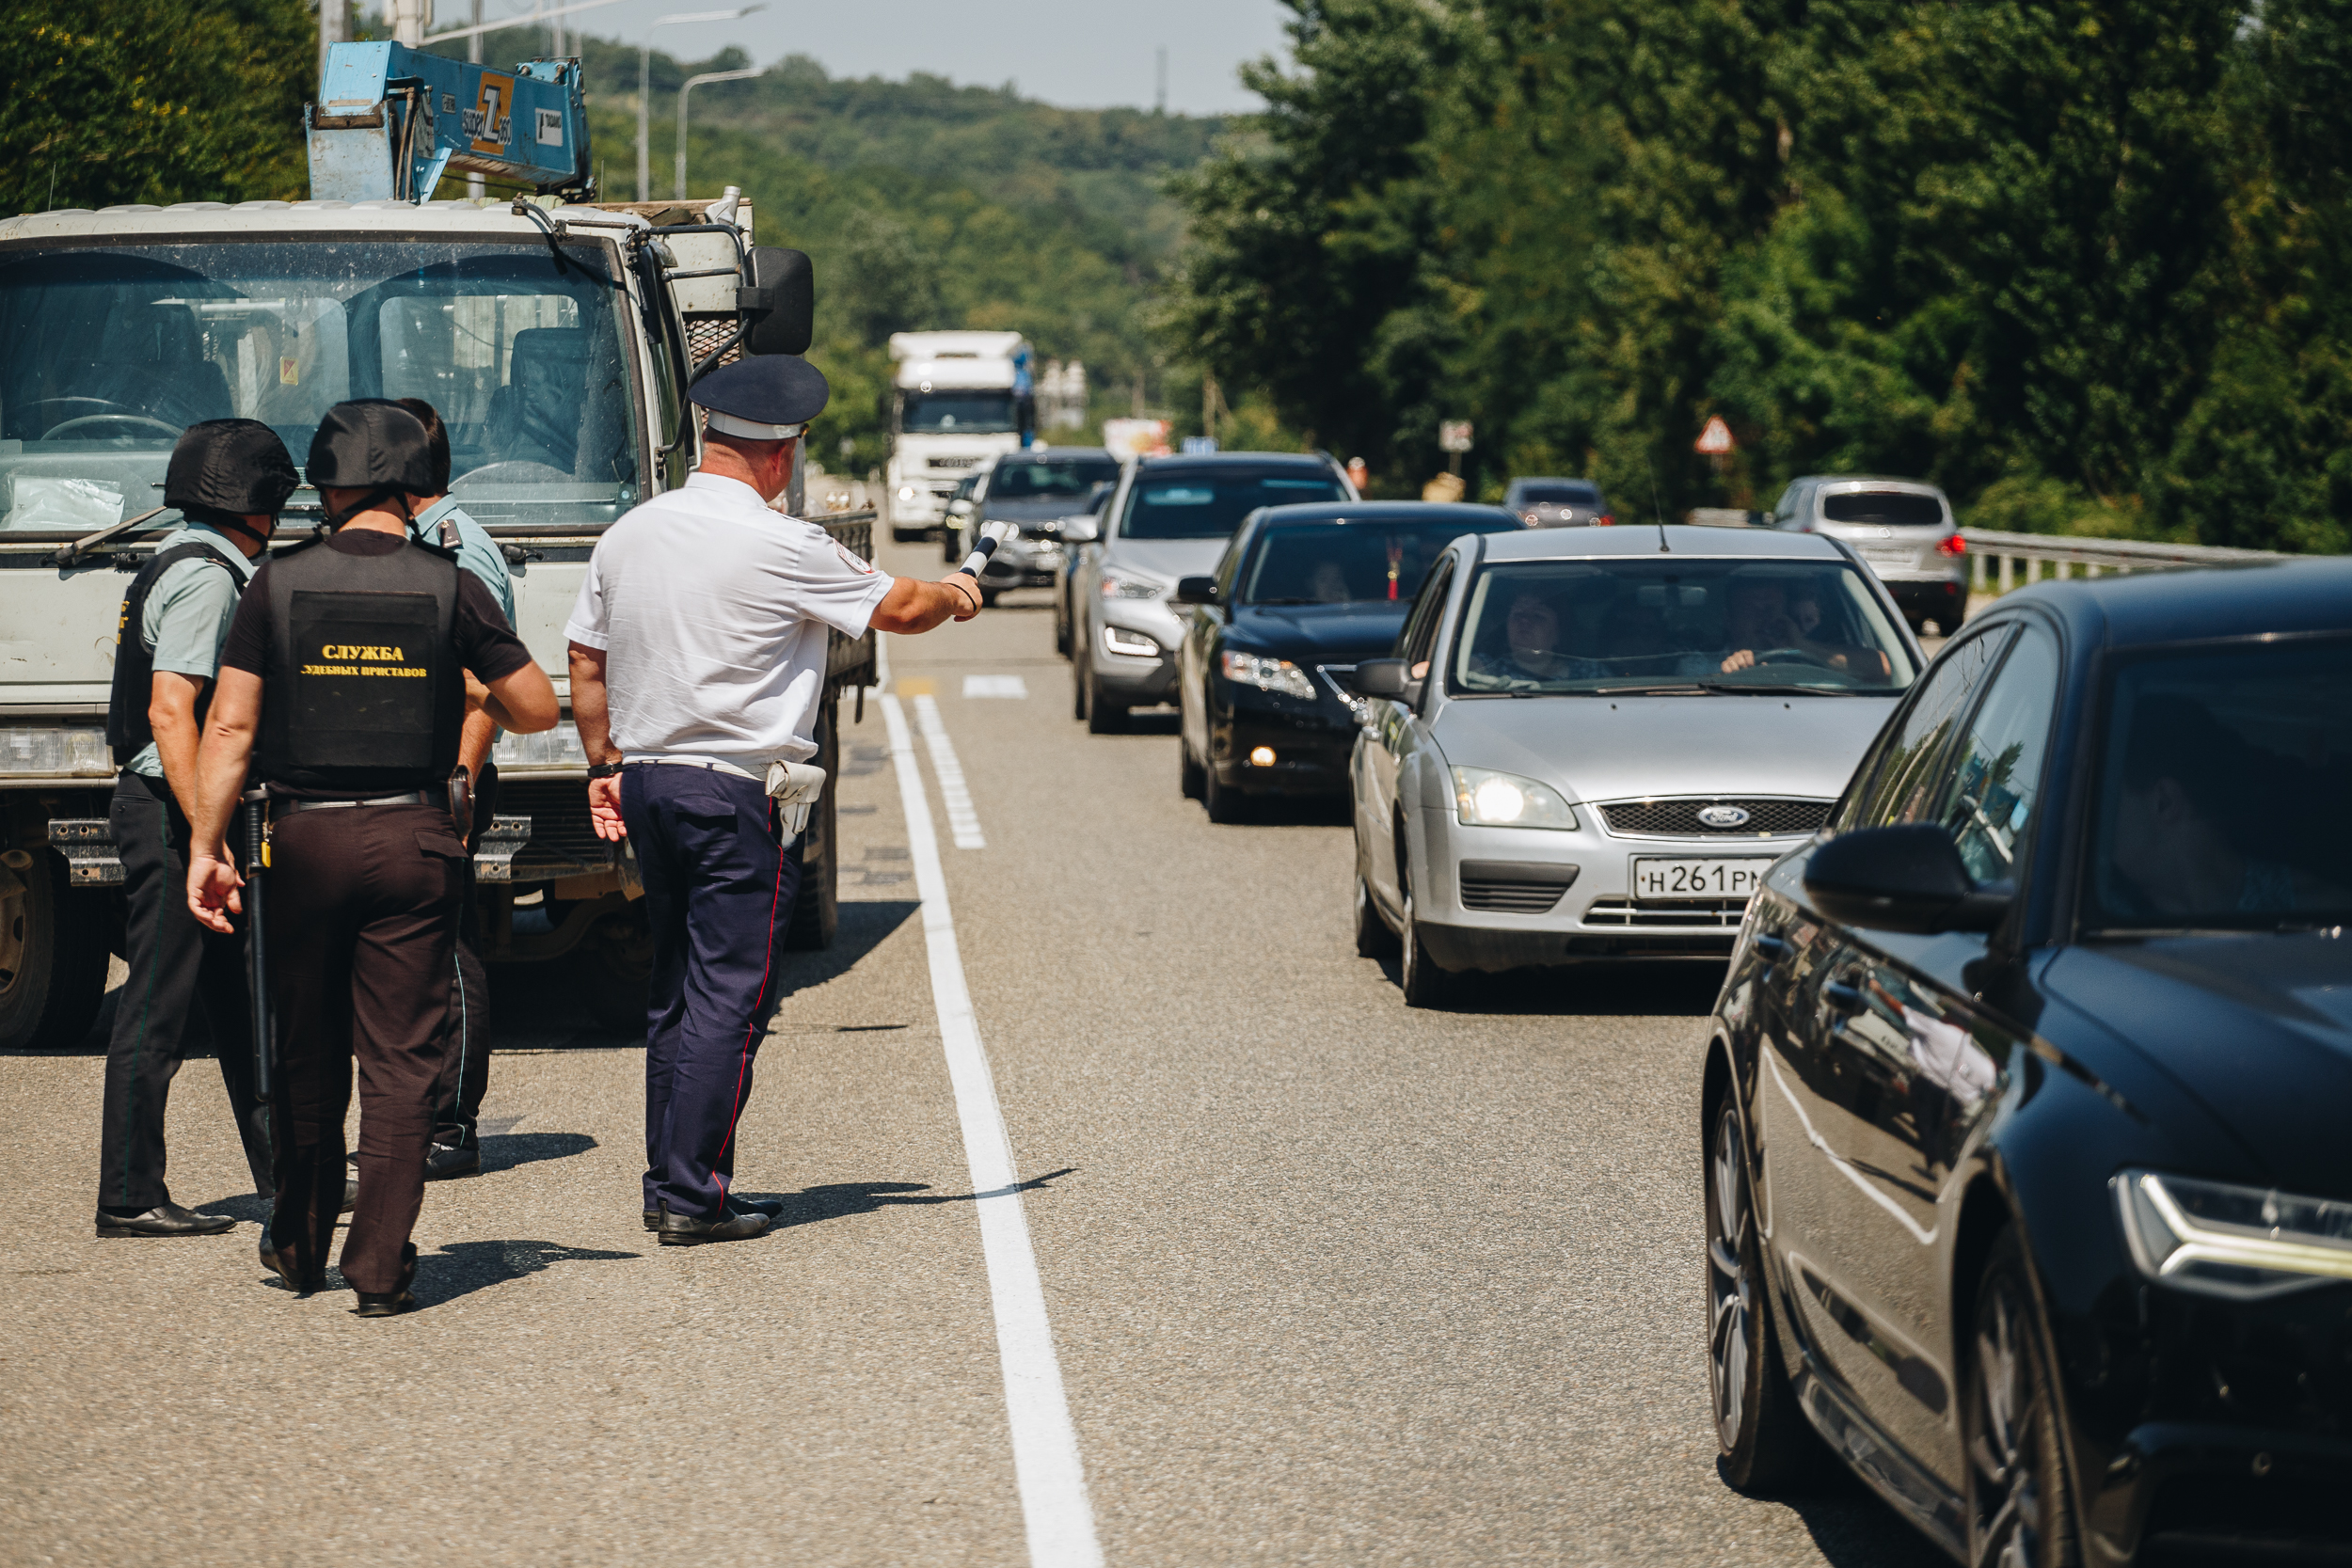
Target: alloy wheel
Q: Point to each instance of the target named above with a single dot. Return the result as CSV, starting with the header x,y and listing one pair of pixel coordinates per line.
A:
x,y
1731,1286
2018,1512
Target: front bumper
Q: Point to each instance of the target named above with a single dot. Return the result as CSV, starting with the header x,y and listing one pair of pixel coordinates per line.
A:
x,y
1125,673
1270,743
1022,563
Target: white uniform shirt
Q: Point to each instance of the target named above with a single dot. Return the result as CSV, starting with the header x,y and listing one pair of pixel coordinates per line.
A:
x,y
712,611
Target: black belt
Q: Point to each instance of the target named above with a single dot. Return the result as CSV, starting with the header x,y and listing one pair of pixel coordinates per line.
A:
x,y
435,797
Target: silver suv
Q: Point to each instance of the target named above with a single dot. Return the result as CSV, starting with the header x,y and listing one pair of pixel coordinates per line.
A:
x,y
1902,528
1169,518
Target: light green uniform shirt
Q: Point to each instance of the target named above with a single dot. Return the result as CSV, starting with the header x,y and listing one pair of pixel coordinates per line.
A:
x,y
477,553
187,615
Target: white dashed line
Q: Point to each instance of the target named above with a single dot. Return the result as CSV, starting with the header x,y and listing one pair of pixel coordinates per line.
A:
x,y
995,685
962,821
1055,1509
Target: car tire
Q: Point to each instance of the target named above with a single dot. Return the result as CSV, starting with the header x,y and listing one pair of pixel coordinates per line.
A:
x,y
1191,777
2019,1509
1102,715
1061,627
1423,983
1225,802
1764,1442
1373,940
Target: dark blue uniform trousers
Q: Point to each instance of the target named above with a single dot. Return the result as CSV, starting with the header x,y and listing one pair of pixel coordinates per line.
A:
x,y
719,892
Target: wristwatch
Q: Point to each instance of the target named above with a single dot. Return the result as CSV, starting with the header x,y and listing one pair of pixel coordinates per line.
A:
x,y
605,769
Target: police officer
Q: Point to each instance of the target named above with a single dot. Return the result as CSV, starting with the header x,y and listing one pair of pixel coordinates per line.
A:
x,y
698,648
343,683
465,1032
227,478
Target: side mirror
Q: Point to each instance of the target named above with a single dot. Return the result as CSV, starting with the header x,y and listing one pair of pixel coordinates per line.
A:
x,y
1196,591
778,300
1080,530
1381,677
1098,494
1904,879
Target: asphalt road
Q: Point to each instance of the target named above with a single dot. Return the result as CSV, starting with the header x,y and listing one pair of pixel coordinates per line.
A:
x,y
1329,1281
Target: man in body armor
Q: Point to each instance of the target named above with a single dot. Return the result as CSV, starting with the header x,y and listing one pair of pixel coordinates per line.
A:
x,y
343,683
227,478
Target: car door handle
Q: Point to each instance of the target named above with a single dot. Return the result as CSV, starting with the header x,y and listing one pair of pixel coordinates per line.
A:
x,y
1843,997
1774,948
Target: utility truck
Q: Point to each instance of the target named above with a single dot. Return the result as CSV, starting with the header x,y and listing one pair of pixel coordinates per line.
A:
x,y
958,399
556,335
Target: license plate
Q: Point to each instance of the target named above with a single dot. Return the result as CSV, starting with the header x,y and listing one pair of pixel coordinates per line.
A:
x,y
1655,880
1891,557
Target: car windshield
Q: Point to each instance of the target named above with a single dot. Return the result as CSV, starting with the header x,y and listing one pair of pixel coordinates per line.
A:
x,y
1888,508
106,355
981,413
1558,493
1353,562
1210,503
1599,626
1048,481
2222,802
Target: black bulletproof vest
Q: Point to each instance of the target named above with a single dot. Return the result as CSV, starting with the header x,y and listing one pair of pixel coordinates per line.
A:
x,y
365,690
127,729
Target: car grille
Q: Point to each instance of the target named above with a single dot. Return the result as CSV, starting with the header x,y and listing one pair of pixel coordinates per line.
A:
x,y
1702,915
562,842
1679,818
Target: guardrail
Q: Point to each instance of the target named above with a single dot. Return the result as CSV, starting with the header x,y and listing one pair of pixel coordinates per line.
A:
x,y
2006,561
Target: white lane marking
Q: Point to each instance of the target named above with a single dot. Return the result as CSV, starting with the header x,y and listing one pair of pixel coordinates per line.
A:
x,y
962,821
995,685
1046,1470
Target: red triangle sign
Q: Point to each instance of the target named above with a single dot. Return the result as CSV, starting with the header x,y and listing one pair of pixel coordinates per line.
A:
x,y
1716,438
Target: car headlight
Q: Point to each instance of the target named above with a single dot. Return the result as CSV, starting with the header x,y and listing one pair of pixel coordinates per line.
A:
x,y
56,752
1123,586
1134,644
906,492
2221,1239
556,748
1267,674
1486,799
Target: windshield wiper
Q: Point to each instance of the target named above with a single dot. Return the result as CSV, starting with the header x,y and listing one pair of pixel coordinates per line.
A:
x,y
1664,688
1788,689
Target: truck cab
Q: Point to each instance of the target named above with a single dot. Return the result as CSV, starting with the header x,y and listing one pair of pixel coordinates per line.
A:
x,y
959,400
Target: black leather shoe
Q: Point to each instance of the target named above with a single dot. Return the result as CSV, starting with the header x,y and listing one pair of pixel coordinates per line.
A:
x,y
351,1195
768,1206
165,1219
448,1160
283,1265
686,1230
391,1303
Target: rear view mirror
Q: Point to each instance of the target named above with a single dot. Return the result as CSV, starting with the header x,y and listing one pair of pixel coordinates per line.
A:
x,y
1380,677
1903,879
778,300
1080,530
1196,590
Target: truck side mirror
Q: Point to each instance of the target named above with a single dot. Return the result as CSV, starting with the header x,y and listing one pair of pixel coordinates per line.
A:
x,y
1196,590
778,301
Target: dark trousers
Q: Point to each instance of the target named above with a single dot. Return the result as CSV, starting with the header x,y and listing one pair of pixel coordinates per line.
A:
x,y
361,907
465,1030
718,894
186,987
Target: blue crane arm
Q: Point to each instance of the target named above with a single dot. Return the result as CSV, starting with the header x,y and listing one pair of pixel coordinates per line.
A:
x,y
390,121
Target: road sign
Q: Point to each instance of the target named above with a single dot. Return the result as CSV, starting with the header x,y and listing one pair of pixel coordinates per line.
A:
x,y
1453,436
1715,439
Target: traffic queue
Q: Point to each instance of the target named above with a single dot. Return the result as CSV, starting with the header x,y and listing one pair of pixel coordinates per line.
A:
x,y
303,734
2020,1104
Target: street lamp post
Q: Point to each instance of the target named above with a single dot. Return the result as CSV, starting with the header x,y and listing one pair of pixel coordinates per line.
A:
x,y
644,85
691,83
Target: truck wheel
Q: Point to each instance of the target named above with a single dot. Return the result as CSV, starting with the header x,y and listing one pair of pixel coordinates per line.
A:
x,y
53,954
817,908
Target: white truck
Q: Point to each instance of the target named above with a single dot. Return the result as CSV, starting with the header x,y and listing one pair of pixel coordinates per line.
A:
x,y
958,399
557,337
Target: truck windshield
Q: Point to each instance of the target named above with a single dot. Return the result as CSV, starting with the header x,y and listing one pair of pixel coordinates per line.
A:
x,y
108,353
957,413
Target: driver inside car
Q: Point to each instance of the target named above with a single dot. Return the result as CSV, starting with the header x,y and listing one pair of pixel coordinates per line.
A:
x,y
1766,616
1531,650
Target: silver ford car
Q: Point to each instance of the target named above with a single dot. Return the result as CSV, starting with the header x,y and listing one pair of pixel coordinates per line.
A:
x,y
1591,743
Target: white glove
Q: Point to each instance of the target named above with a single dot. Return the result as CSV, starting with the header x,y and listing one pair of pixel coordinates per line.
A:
x,y
795,787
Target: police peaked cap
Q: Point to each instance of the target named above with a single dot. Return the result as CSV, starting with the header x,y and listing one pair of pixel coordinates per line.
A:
x,y
234,465
762,398
372,444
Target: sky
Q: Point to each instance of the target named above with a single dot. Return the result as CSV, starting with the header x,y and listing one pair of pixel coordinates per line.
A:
x,y
1078,53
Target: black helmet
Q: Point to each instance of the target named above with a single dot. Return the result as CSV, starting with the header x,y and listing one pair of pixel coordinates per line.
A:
x,y
229,467
372,444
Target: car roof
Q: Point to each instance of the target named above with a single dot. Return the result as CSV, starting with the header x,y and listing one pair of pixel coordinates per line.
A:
x,y
1469,514
1053,454
1224,459
1882,482
2310,594
1642,539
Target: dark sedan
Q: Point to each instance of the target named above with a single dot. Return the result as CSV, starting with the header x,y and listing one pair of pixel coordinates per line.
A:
x,y
1301,595
1557,503
2024,1103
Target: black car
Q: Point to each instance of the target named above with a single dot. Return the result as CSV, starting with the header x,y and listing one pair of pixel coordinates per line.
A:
x,y
2025,1105
1037,491
1557,503
1301,594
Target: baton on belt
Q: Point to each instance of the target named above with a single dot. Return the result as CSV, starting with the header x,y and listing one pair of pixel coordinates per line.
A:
x,y
257,954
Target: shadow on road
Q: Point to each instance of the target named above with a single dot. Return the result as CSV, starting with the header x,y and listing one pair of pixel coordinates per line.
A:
x,y
1674,989
505,1150
864,926
843,1199
461,1268
1855,1530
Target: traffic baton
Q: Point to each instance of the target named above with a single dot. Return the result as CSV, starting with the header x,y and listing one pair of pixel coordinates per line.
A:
x,y
992,535
256,941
